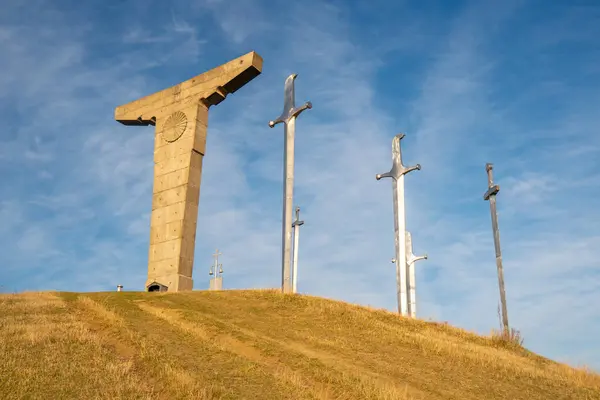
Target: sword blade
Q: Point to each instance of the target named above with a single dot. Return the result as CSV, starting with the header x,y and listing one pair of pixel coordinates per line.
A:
x,y
288,195
400,242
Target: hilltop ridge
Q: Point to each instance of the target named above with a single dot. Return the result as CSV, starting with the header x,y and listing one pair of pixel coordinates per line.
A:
x,y
256,345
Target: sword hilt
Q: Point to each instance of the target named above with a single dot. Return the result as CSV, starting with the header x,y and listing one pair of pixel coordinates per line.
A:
x,y
289,109
493,189
297,222
398,169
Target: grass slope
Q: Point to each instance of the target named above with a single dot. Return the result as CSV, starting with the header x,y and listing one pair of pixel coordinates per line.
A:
x,y
255,345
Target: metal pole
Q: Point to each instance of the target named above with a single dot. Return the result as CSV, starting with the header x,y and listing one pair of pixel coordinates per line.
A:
x,y
490,195
397,174
411,259
288,117
296,225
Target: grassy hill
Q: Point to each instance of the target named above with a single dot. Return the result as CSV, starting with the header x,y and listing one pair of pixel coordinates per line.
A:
x,y
255,345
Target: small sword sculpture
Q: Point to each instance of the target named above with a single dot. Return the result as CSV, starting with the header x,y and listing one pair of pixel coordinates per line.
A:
x,y
397,174
296,225
490,195
288,117
411,259
216,270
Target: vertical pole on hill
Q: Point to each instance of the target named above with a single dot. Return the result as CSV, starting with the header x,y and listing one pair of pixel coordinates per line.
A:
x,y
490,195
297,224
216,270
288,118
411,259
397,174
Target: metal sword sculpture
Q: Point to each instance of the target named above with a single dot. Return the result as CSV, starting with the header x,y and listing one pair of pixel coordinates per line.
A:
x,y
397,174
296,225
216,270
411,259
490,195
288,117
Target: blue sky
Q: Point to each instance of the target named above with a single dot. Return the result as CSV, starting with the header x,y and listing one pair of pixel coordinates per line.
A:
x,y
515,83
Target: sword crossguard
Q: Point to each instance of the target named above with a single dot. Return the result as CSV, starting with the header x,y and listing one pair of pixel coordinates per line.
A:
x,y
398,169
386,175
492,191
412,258
413,168
297,111
289,106
398,172
297,222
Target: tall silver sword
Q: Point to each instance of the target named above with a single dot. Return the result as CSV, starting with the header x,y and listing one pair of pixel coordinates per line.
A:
x,y
296,225
411,259
490,195
397,174
288,117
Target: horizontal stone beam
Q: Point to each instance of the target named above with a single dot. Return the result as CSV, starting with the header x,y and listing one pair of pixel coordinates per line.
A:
x,y
210,87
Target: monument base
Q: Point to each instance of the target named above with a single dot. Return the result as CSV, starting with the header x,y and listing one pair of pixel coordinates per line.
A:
x,y
169,283
216,283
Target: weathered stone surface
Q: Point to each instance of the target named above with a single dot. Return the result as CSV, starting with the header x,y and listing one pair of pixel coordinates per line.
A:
x,y
180,116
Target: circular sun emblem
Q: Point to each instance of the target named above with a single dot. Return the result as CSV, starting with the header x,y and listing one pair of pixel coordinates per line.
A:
x,y
174,126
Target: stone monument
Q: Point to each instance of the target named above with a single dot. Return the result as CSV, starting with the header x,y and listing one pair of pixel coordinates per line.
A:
x,y
180,117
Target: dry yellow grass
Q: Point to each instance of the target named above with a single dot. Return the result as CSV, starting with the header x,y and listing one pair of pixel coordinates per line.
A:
x,y
256,345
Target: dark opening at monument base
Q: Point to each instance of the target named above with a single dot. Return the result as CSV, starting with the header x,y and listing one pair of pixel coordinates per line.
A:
x,y
157,287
